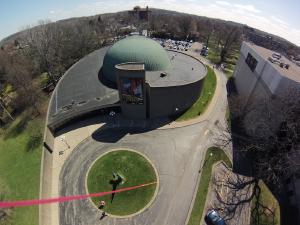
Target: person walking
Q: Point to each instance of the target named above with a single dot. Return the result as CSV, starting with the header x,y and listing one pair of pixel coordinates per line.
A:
x,y
102,204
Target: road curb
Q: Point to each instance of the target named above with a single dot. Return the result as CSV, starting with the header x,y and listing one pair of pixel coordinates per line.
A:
x,y
195,191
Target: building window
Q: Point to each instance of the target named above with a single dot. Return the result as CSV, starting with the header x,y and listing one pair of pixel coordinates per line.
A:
x,y
251,62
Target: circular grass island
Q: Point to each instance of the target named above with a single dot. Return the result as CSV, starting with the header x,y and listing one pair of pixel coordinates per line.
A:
x,y
120,169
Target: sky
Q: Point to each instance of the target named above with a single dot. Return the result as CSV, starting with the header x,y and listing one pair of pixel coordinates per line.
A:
x,y
274,16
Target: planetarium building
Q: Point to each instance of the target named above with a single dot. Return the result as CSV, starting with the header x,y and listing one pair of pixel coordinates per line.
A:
x,y
135,75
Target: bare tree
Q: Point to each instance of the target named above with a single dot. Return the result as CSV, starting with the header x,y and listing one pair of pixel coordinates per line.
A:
x,y
186,24
85,38
230,36
19,73
43,41
237,196
54,47
206,29
268,130
267,133
233,192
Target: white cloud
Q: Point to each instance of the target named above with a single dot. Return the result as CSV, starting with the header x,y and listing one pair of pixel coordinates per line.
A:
x,y
249,8
85,9
224,3
280,21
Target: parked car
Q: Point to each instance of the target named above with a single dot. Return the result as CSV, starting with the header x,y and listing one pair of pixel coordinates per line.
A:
x,y
213,218
204,52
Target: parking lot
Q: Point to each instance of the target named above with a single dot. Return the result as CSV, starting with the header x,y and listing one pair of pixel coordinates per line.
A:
x,y
178,45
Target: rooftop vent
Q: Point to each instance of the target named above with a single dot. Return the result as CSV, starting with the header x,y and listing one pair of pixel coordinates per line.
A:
x,y
163,74
66,107
82,102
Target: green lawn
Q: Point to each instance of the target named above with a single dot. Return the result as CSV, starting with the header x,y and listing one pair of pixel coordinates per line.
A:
x,y
213,54
214,57
20,150
264,216
135,169
207,93
230,64
217,155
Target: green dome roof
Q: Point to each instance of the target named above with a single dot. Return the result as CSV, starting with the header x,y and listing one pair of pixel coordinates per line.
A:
x,y
135,49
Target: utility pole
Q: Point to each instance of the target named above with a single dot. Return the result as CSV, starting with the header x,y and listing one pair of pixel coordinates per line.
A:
x,y
63,139
4,108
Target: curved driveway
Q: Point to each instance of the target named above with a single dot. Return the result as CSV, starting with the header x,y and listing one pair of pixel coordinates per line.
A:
x,y
176,155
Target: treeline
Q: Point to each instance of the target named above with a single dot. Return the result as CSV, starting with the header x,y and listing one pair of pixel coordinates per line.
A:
x,y
33,60
37,59
226,36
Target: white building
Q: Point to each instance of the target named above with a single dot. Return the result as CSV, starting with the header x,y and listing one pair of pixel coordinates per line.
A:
x,y
264,73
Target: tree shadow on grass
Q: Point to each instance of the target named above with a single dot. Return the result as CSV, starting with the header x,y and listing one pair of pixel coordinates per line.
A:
x,y
16,128
262,215
34,141
115,184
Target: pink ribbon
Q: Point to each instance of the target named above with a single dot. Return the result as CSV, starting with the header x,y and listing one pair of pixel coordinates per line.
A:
x,y
9,204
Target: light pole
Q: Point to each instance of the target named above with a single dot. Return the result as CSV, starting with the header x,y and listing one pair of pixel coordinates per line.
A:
x,y
63,139
210,155
112,114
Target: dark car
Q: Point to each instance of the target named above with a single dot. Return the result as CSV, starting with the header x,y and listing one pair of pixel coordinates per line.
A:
x,y
213,218
204,52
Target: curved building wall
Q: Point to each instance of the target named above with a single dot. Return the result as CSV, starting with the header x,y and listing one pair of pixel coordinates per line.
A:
x,y
163,101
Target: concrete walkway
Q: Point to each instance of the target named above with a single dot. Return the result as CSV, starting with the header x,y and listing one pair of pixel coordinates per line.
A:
x,y
77,138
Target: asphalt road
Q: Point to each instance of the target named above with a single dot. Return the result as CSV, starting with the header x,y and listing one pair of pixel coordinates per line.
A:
x,y
176,154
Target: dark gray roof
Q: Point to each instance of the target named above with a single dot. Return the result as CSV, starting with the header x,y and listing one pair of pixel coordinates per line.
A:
x,y
79,91
184,70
